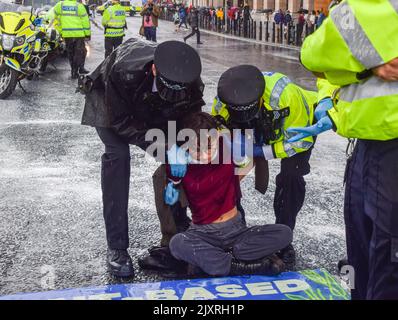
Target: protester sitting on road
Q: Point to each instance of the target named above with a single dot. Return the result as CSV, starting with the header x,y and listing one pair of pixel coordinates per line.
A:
x,y
218,242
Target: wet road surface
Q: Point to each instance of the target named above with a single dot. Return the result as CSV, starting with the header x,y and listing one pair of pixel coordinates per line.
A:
x,y
52,233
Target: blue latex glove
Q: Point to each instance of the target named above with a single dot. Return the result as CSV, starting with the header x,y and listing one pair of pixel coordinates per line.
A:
x,y
239,147
178,160
323,106
171,194
322,125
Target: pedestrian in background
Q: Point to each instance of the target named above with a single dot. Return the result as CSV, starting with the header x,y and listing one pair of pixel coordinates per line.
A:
x,y
75,29
176,19
311,22
246,18
114,22
193,19
183,16
300,28
321,17
150,14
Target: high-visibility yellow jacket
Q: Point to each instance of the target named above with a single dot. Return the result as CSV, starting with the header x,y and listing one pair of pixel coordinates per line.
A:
x,y
73,19
282,96
114,21
358,36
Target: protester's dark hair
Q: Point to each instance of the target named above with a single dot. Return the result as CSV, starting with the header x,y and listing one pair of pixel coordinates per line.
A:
x,y
198,121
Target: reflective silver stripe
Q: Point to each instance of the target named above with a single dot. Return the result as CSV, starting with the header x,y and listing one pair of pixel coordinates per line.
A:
x,y
218,105
394,4
371,88
277,90
354,36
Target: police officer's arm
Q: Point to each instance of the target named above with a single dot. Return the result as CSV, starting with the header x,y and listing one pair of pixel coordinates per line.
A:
x,y
320,55
105,17
298,117
131,131
85,21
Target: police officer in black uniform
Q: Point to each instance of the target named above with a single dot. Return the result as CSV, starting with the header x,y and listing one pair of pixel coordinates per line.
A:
x,y
141,86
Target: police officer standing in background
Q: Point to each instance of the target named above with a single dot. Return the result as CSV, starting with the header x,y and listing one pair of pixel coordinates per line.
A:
x,y
75,28
140,86
269,103
114,22
359,52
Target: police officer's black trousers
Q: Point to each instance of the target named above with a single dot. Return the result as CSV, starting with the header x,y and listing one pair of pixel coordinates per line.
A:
x,y
115,183
76,50
290,188
194,30
371,218
111,43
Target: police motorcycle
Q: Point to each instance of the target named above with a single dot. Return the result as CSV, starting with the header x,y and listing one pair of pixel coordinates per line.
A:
x,y
21,50
53,42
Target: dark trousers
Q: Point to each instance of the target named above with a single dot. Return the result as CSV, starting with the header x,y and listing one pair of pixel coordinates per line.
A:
x,y
290,188
150,33
371,218
76,49
111,43
115,183
194,30
212,247
183,21
246,28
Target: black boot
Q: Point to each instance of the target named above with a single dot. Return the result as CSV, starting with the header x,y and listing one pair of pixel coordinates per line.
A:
x,y
269,266
288,256
119,263
82,70
343,262
161,259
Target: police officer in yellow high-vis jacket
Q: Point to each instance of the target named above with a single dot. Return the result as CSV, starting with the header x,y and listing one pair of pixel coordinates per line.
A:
x,y
114,22
269,103
350,49
75,28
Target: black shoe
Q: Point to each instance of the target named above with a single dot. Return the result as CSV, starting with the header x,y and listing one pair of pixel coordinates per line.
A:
x,y
288,256
160,259
343,262
199,42
82,70
119,263
269,266
185,40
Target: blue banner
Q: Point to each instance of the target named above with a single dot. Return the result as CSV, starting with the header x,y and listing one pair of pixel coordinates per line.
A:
x,y
304,285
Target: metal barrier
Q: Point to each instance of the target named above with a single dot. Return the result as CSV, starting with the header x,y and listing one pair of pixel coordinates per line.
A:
x,y
285,34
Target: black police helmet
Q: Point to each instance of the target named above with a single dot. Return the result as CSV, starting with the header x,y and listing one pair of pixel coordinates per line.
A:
x,y
241,88
178,67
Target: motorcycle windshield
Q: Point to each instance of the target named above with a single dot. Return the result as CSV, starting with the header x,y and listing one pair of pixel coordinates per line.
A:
x,y
13,22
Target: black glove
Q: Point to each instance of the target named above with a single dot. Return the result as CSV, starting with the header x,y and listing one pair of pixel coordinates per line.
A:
x,y
84,84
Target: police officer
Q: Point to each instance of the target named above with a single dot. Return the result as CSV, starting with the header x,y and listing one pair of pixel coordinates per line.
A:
x,y
269,103
114,22
75,28
352,50
141,86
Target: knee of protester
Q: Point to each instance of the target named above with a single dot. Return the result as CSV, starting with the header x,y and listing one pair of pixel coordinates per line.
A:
x,y
176,245
286,234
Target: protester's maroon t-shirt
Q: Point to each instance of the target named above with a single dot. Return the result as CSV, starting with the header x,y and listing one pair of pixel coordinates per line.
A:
x,y
211,190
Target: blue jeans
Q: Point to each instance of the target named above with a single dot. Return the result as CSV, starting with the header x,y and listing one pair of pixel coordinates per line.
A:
x,y
150,33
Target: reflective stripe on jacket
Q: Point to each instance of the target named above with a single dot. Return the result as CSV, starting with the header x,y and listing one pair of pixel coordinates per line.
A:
x,y
73,19
114,21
